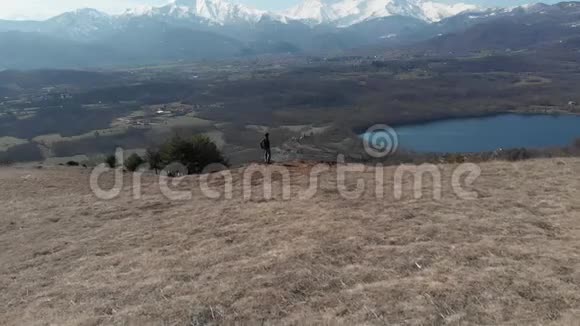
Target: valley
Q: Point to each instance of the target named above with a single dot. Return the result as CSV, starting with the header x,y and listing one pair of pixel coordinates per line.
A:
x,y
313,82
51,114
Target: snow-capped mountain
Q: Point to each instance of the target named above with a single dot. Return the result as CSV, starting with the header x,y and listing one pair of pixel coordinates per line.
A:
x,y
214,11
342,13
81,15
434,12
81,23
348,12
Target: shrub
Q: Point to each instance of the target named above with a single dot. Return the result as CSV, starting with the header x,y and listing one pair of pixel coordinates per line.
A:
x,y
111,161
195,154
133,162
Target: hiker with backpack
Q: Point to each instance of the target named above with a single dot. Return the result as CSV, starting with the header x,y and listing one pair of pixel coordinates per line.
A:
x,y
265,146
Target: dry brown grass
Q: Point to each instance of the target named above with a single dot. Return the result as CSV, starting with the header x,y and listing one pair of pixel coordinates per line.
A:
x,y
512,257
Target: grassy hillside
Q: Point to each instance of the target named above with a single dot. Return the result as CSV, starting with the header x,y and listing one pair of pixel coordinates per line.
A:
x,y
509,257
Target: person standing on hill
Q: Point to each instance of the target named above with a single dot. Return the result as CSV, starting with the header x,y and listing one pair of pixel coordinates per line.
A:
x,y
265,145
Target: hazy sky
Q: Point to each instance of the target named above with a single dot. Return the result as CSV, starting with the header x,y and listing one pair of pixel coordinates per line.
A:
x,y
40,9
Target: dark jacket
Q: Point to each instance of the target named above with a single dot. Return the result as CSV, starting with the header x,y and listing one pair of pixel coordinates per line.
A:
x,y
265,144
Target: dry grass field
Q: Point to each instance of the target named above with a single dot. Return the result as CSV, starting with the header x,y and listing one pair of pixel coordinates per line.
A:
x,y
511,257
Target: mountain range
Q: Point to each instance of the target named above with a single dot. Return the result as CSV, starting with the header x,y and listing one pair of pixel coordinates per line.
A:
x,y
335,12
214,29
348,12
86,23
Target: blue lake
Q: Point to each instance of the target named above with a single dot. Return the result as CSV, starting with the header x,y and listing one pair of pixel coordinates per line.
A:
x,y
489,133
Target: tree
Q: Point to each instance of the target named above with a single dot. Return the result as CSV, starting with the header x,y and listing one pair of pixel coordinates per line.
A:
x,y
111,161
195,154
208,153
133,162
153,158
